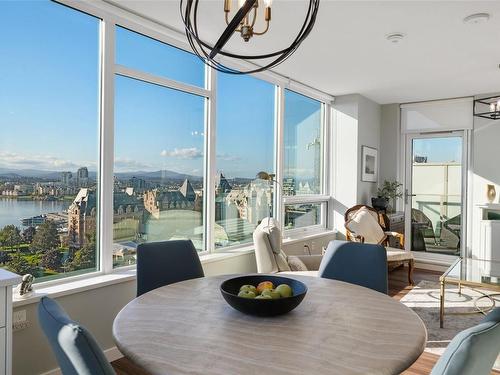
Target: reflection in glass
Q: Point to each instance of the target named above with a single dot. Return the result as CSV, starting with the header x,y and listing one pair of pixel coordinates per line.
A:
x,y
303,145
302,215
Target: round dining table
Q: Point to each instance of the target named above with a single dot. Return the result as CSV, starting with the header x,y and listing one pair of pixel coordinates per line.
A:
x,y
339,328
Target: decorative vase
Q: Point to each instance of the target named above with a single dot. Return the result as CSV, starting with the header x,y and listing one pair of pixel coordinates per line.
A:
x,y
490,193
380,203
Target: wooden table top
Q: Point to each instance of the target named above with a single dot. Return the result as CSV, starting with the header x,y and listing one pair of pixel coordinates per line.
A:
x,y
339,328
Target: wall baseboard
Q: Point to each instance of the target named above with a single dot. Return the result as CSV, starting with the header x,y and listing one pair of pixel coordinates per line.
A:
x,y
112,354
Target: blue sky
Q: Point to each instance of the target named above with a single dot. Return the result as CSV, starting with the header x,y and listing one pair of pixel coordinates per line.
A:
x,y
446,149
49,101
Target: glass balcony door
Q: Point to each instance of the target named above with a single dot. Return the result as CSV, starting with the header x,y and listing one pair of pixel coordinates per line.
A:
x,y
434,198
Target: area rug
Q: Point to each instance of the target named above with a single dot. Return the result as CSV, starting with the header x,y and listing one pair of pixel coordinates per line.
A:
x,y
424,300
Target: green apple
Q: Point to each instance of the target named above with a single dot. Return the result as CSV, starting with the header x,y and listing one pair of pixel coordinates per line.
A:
x,y
284,290
249,288
263,296
246,294
272,293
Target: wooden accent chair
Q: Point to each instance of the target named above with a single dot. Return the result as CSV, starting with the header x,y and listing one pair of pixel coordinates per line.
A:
x,y
364,224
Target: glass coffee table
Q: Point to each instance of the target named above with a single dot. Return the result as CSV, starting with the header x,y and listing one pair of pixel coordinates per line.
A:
x,y
470,273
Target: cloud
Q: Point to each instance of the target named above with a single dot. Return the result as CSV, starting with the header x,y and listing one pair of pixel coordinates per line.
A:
x,y
227,157
41,162
183,153
129,165
196,133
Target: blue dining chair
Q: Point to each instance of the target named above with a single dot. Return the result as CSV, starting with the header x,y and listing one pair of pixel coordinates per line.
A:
x,y
473,351
356,263
167,262
75,349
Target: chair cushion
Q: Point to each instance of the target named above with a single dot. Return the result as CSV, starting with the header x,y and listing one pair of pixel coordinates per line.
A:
x,y
296,264
395,255
364,224
76,350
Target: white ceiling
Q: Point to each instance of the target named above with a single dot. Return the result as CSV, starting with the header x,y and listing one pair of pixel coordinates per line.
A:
x,y
440,57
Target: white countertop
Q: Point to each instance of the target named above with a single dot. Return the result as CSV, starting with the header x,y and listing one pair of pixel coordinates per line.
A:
x,y
8,278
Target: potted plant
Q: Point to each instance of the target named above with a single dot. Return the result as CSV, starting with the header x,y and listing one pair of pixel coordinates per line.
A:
x,y
386,195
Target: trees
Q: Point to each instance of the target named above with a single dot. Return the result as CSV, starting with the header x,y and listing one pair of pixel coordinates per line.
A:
x,y
18,264
46,237
85,257
29,234
51,259
10,236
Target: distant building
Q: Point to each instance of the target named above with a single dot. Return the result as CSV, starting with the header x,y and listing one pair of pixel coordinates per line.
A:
x,y
82,177
66,178
82,214
185,198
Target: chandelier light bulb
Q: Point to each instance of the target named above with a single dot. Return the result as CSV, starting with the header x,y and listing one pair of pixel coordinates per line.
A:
x,y
268,3
493,107
241,3
498,105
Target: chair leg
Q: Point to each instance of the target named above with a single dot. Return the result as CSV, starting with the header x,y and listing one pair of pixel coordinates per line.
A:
x,y
410,272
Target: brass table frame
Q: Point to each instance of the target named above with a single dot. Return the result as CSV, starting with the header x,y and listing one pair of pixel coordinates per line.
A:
x,y
445,279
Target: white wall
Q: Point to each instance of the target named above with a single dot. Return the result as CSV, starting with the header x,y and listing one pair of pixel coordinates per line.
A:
x,y
485,169
356,123
389,153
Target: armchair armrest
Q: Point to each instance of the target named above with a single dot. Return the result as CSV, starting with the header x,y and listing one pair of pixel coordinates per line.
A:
x,y
399,236
312,262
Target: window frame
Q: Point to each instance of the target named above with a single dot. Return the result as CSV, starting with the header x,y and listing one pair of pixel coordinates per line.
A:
x,y
110,17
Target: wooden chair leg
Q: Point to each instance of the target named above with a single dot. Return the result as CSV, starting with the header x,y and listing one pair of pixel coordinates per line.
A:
x,y
410,272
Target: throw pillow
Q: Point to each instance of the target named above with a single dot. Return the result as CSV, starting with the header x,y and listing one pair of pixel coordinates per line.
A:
x,y
296,264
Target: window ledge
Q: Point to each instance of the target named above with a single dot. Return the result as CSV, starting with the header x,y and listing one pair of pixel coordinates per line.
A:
x,y
304,236
93,282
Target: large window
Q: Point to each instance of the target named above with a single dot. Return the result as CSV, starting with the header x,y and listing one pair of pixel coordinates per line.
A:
x,y
245,147
112,138
49,78
158,164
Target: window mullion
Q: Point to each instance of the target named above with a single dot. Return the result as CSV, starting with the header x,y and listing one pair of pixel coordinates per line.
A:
x,y
106,146
279,152
210,158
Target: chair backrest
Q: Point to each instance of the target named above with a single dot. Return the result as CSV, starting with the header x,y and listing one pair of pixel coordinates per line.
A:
x,y
364,224
356,263
267,242
167,262
473,351
76,350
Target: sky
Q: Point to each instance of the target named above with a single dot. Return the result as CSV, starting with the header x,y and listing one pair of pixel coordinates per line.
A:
x,y
445,149
49,101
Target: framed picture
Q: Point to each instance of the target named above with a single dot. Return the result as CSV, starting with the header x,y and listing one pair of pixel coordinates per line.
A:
x,y
369,164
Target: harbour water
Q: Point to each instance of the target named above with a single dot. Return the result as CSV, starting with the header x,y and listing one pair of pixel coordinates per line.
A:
x,y
13,210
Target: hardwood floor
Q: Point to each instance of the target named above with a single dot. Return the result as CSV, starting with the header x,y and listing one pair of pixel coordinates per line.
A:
x,y
398,287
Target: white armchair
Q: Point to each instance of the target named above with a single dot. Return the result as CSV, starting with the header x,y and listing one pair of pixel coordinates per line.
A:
x,y
271,258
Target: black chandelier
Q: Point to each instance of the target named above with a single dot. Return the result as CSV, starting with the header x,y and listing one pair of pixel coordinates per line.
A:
x,y
243,22
487,107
